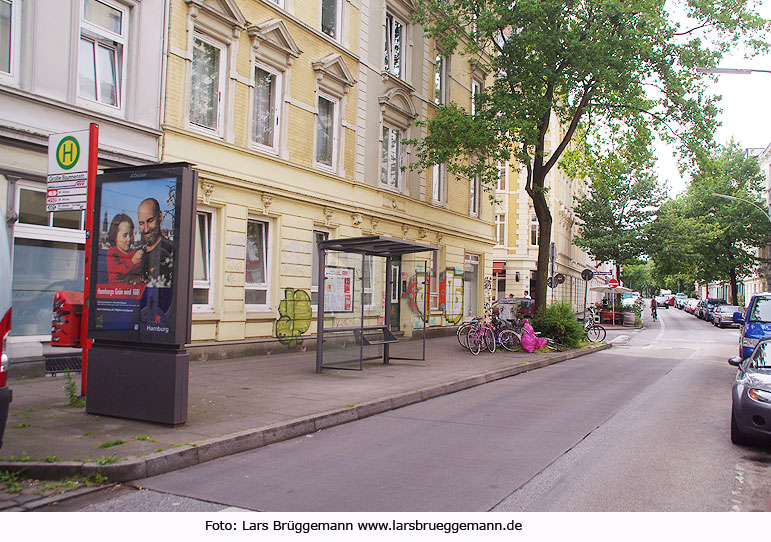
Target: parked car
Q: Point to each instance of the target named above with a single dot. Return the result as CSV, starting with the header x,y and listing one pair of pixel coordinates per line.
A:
x,y
723,315
662,301
698,312
710,307
680,300
628,300
756,323
751,395
691,306
6,395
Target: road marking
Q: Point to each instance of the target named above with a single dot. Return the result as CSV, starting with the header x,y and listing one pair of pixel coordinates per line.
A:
x,y
620,338
655,343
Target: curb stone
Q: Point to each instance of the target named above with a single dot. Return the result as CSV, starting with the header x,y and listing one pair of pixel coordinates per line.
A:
x,y
186,456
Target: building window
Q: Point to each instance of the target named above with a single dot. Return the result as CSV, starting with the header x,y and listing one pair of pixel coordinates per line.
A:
x,y
326,132
206,85
440,79
394,45
257,266
534,230
367,273
473,199
318,236
202,267
476,88
434,301
391,157
330,18
267,92
10,18
103,31
503,168
500,229
438,173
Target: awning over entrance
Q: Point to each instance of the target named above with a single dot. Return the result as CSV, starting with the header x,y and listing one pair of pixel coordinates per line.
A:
x,y
499,267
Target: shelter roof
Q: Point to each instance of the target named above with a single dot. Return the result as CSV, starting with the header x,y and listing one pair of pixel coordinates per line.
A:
x,y
375,245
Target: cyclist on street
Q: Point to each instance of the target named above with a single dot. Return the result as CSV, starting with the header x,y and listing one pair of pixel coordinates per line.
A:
x,y
654,309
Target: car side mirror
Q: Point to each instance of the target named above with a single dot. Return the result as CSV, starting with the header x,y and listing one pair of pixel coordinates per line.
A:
x,y
736,361
738,318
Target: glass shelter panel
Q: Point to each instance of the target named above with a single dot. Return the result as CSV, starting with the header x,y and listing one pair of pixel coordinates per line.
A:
x,y
414,305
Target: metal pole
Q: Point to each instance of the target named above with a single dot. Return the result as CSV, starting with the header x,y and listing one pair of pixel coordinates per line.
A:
x,y
361,302
387,316
93,161
320,309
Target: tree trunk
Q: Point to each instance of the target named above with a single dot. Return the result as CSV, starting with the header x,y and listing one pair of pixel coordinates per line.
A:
x,y
544,240
734,293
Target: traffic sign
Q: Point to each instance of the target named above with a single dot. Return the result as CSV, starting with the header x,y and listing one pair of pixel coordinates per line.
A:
x,y
613,283
67,168
587,274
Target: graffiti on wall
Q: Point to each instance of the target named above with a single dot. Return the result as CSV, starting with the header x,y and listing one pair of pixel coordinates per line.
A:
x,y
451,295
296,314
488,293
416,293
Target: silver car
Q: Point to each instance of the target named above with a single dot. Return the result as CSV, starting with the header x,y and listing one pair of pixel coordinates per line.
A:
x,y
723,315
751,405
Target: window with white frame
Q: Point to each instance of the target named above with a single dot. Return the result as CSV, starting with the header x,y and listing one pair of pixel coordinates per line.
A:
x,y
535,230
101,53
367,273
473,198
503,168
394,46
438,174
434,280
202,264
500,229
318,236
257,264
330,18
10,20
267,101
48,256
476,88
440,79
391,157
326,132
207,84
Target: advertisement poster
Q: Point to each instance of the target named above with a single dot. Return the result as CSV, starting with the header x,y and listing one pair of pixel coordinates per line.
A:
x,y
136,259
338,291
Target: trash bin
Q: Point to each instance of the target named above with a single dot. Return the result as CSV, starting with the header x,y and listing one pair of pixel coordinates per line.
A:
x,y
68,308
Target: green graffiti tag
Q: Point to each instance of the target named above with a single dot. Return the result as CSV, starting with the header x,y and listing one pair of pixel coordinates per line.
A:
x,y
295,311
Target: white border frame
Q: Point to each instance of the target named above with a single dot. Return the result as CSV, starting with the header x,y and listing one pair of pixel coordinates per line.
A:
x,y
277,116
335,133
12,77
210,284
259,307
222,91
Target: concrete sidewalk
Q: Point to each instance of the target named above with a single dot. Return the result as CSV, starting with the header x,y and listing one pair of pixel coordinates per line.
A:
x,y
237,405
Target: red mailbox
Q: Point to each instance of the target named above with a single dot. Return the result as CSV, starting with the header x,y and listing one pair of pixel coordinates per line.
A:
x,y
68,307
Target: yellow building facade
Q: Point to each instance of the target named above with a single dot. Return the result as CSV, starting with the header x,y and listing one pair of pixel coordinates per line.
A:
x,y
294,113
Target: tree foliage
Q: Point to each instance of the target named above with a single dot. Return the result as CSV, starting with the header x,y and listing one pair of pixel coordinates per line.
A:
x,y
579,61
623,196
708,237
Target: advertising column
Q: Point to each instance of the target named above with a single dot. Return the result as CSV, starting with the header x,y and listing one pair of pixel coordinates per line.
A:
x,y
139,303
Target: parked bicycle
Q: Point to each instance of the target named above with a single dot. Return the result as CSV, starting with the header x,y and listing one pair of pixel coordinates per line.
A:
x,y
594,332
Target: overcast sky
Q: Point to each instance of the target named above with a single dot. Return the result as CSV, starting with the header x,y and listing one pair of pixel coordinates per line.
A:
x,y
746,106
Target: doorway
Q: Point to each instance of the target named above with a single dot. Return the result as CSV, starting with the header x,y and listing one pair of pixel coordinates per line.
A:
x,y
396,292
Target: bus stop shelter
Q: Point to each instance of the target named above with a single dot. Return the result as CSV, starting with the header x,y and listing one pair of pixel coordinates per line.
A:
x,y
353,274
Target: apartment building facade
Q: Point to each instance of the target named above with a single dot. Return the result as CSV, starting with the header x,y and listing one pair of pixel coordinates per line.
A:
x,y
294,113
63,65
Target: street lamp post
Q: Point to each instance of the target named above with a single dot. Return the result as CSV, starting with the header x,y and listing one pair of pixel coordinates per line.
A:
x,y
726,196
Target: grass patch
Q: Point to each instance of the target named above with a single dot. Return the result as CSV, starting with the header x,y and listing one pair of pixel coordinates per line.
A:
x,y
107,460
21,425
52,459
71,389
111,444
12,480
24,457
145,438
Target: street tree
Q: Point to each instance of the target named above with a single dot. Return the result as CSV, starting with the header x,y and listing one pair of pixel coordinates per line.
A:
x,y
624,194
576,61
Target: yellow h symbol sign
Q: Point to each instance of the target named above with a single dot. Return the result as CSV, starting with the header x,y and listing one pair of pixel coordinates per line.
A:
x,y
67,152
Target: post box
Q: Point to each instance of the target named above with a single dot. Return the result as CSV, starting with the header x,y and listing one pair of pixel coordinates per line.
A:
x,y
68,308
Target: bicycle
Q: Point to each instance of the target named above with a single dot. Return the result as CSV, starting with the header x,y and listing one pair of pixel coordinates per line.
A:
x,y
594,332
481,335
507,337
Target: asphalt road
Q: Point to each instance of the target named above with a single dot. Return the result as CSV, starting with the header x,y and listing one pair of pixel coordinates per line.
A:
x,y
640,427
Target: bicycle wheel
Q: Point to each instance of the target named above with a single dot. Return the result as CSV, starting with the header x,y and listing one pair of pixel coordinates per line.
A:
x,y
475,341
595,333
463,333
509,340
489,338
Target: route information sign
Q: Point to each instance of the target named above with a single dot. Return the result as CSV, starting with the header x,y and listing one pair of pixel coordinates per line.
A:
x,y
67,171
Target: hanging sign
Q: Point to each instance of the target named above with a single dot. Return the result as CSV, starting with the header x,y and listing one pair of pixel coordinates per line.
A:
x,y
67,171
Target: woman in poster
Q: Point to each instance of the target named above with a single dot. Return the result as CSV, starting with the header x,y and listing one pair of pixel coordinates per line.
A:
x,y
123,262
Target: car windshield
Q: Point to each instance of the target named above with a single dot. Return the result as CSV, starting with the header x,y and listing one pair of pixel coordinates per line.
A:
x,y
762,357
761,310
728,308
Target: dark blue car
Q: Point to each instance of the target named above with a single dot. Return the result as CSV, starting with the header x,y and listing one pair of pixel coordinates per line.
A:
x,y
756,323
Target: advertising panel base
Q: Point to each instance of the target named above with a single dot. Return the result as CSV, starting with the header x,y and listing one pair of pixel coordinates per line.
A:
x,y
138,383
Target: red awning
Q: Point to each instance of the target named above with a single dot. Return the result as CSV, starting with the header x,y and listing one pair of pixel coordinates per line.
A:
x,y
498,267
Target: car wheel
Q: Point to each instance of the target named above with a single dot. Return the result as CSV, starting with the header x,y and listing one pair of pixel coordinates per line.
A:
x,y
737,437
